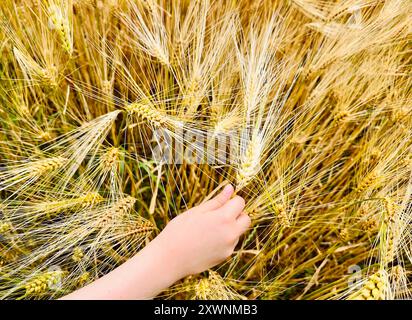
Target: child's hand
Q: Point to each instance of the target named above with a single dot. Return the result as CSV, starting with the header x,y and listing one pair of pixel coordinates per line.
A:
x,y
191,243
203,236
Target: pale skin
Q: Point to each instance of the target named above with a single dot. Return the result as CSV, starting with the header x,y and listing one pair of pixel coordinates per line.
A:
x,y
193,242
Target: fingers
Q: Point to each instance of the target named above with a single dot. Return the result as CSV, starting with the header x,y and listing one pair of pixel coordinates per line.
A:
x,y
243,222
232,208
219,200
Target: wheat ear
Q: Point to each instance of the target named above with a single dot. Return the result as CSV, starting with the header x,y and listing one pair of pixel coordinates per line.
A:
x,y
147,113
250,162
374,289
117,211
40,167
42,283
60,22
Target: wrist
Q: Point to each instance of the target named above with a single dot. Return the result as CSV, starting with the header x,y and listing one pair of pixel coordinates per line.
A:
x,y
160,264
169,259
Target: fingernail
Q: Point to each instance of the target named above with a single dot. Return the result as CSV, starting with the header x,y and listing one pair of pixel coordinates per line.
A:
x,y
228,189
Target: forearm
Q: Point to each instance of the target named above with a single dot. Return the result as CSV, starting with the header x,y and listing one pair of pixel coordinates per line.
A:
x,y
142,277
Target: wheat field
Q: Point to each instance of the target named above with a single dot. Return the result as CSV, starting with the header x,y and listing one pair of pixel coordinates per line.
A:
x,y
303,105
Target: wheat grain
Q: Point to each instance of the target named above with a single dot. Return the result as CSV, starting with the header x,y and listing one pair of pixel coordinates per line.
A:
x,y
282,215
60,22
78,254
344,234
84,278
341,116
5,227
40,284
390,207
148,113
192,96
41,167
110,158
369,225
371,179
138,229
249,165
375,288
116,211
53,208
214,288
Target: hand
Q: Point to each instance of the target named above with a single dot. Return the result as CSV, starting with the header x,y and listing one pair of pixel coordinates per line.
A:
x,y
192,242
204,236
